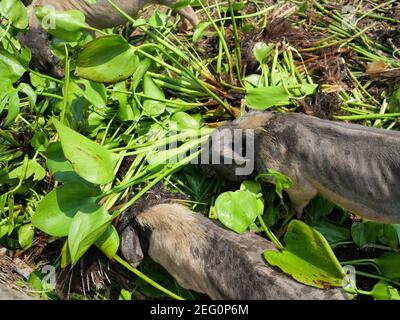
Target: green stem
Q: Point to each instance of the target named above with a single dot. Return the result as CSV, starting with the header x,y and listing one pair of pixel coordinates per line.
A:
x,y
66,85
268,232
373,276
368,116
126,265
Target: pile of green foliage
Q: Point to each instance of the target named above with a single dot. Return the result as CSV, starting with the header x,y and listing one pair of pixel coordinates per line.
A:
x,y
76,152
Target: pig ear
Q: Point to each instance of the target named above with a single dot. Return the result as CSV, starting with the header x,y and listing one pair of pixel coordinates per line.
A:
x,y
130,246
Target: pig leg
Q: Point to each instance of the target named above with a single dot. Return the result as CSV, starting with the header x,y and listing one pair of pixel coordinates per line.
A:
x,y
189,17
300,194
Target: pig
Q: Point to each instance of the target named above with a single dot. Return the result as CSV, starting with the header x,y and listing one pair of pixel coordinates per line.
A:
x,y
351,165
203,256
100,15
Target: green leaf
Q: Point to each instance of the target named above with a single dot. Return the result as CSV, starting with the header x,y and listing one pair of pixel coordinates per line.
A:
x,y
11,68
152,108
331,232
107,59
394,99
389,264
33,169
57,209
85,229
94,92
252,187
15,11
385,291
319,207
370,232
307,257
125,295
200,29
29,92
25,236
281,181
66,25
39,141
91,161
109,242
237,210
13,104
184,121
126,111
267,97
158,20
59,166
261,50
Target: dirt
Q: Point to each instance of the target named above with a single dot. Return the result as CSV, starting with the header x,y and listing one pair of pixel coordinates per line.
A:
x,y
321,105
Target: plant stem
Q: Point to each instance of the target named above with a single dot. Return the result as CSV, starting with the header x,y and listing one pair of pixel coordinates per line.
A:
x,y
126,265
268,232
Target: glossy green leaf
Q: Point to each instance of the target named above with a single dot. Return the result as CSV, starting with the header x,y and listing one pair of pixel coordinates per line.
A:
x,y
107,59
319,207
15,11
94,92
370,232
152,108
261,51
385,291
200,29
91,161
332,232
389,265
307,257
11,69
32,170
25,236
267,97
183,121
109,242
237,210
85,229
281,181
66,25
58,164
252,187
56,211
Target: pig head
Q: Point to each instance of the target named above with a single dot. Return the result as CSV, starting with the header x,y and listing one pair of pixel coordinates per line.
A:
x,y
351,165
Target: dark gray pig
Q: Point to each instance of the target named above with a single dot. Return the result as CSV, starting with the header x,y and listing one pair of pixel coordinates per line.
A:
x,y
354,166
204,257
